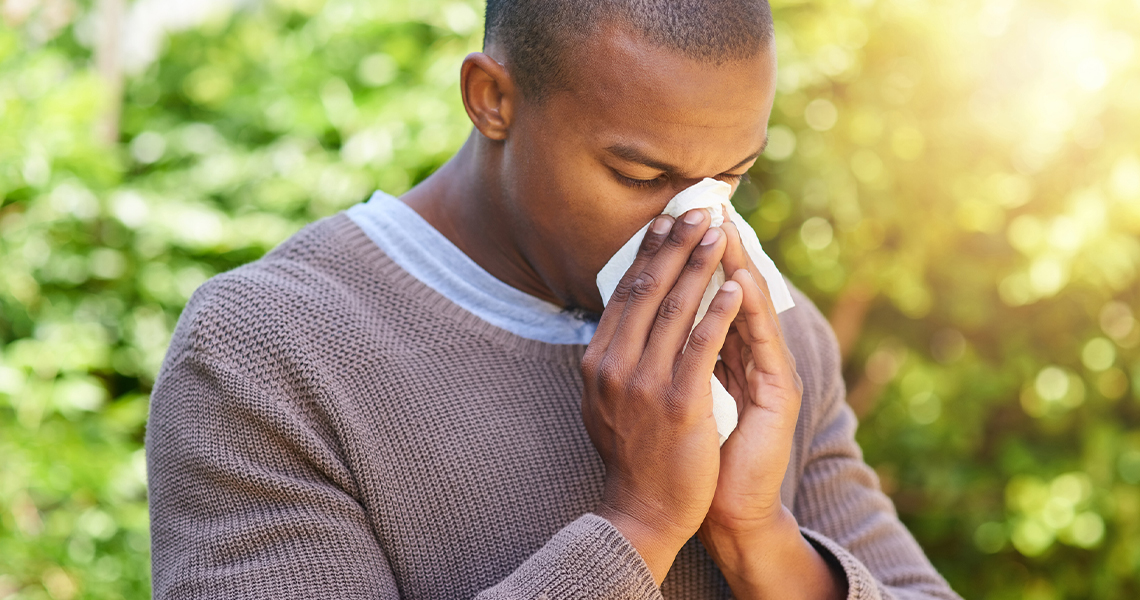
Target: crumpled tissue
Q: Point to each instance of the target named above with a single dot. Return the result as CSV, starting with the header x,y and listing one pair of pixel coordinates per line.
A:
x,y
714,195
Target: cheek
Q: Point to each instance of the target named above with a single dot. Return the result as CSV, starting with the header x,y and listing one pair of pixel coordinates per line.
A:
x,y
576,203
577,213
599,213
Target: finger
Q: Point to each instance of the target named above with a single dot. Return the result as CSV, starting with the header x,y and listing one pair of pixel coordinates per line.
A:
x,y
732,357
735,258
695,369
769,352
678,310
659,228
734,255
650,287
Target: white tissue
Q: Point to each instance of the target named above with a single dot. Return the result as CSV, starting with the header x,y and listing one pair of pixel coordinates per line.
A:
x,y
712,194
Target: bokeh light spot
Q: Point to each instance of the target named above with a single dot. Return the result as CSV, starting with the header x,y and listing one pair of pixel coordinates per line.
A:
x,y
1051,384
1065,234
781,143
1125,178
460,17
1047,275
1071,488
820,114
1032,537
816,233
1092,74
990,537
1098,354
925,408
148,147
885,361
1087,529
377,69
208,85
1057,513
1116,320
1112,384
775,206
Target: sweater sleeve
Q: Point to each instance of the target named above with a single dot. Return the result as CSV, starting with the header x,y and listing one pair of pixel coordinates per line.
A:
x,y
839,505
589,558
248,499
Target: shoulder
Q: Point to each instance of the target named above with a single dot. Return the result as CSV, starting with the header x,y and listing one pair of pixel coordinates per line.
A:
x,y
254,314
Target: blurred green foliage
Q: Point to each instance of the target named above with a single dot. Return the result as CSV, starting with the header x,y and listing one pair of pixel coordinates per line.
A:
x,y
956,184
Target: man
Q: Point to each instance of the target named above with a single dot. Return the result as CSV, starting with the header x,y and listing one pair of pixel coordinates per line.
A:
x,y
415,399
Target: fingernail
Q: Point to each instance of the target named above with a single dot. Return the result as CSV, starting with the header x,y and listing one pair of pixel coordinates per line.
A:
x,y
695,216
711,236
661,225
730,286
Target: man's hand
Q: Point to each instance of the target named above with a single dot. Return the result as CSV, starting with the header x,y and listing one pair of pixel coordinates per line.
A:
x,y
647,405
758,369
750,534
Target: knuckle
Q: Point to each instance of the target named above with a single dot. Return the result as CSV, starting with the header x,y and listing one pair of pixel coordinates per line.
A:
x,y
611,374
651,243
719,309
676,240
697,262
621,292
589,365
644,287
701,339
642,386
671,309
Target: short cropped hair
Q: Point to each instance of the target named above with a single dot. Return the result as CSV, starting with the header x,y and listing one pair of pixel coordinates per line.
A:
x,y
538,35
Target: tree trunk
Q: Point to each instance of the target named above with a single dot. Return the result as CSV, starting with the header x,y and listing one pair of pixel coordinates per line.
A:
x,y
109,62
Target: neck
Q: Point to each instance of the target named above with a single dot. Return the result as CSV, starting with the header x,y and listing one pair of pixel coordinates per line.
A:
x,y
463,200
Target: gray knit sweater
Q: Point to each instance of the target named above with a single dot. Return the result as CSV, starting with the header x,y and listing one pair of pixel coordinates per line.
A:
x,y
326,426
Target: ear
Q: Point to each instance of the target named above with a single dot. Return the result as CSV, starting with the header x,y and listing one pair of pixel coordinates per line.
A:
x,y
489,94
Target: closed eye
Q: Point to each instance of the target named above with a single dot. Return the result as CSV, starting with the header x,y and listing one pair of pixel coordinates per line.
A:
x,y
640,183
731,179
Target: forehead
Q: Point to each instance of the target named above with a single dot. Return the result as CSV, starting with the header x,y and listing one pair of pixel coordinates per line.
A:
x,y
624,89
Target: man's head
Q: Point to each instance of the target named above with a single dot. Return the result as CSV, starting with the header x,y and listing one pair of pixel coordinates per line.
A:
x,y
592,114
540,38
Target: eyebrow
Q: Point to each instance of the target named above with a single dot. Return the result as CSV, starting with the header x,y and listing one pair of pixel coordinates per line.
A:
x,y
635,155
